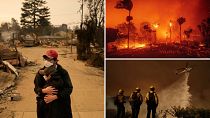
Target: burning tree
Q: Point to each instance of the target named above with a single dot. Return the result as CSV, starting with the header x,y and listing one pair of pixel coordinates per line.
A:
x,y
146,31
181,20
123,28
128,5
204,28
188,32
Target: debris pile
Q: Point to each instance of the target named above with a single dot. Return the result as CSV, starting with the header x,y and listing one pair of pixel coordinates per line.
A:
x,y
55,41
8,75
12,55
10,60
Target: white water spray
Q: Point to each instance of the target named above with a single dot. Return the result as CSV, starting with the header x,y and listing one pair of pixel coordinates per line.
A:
x,y
176,94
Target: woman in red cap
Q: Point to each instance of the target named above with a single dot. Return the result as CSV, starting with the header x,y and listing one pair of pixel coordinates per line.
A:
x,y
53,88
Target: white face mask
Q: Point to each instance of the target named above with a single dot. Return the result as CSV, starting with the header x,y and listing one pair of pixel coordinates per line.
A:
x,y
47,63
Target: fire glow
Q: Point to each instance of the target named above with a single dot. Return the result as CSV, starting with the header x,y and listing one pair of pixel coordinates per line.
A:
x,y
123,44
132,46
162,12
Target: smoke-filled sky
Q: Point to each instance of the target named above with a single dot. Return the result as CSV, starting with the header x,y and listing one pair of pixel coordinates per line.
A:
x,y
131,74
159,11
62,11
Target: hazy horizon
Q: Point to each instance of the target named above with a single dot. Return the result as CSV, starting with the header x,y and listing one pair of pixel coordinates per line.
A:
x,y
62,11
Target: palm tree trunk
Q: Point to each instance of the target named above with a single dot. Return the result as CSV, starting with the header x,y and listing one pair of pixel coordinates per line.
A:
x,y
129,22
180,33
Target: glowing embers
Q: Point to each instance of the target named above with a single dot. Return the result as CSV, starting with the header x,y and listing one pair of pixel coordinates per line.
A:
x,y
132,46
123,44
155,26
140,46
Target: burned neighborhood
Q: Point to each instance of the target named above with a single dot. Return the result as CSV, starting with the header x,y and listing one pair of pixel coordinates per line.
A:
x,y
37,36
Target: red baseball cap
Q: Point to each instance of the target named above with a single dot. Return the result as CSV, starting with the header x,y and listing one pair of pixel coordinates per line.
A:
x,y
51,54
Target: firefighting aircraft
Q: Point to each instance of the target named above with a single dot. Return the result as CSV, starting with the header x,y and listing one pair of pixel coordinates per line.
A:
x,y
183,70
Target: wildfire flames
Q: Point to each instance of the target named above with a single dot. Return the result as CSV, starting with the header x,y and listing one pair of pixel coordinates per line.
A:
x,y
163,13
133,45
140,45
123,44
160,28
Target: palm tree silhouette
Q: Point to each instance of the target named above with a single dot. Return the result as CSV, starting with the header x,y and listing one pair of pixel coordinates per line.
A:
x,y
181,20
128,5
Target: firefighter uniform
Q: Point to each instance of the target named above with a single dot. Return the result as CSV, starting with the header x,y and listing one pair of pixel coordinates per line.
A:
x,y
120,100
136,100
152,102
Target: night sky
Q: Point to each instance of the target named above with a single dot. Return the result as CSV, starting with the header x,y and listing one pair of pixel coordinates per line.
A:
x,y
130,74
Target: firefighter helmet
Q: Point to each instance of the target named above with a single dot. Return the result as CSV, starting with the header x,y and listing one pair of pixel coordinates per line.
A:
x,y
152,88
121,91
138,89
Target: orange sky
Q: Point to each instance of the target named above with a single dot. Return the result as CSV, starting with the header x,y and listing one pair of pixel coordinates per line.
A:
x,y
61,11
160,11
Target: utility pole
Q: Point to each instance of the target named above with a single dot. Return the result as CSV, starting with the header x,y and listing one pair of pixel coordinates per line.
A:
x,y
82,5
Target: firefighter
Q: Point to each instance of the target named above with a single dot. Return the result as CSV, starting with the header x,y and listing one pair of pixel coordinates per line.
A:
x,y
136,100
140,99
119,102
152,102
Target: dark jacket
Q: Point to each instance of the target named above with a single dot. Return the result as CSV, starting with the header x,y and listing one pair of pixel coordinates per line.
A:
x,y
152,99
61,107
120,100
